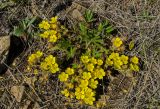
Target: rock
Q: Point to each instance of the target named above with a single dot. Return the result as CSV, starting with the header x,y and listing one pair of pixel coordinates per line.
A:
x,y
4,45
76,14
17,92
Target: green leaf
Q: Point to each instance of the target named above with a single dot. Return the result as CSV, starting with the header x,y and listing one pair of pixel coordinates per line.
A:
x,y
18,31
31,21
89,16
23,24
83,28
100,27
131,45
105,23
71,52
64,44
109,29
74,65
96,53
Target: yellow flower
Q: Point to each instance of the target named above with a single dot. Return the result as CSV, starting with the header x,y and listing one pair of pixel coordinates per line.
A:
x,y
135,60
58,35
69,85
32,59
124,59
44,25
99,62
84,59
131,67
113,55
101,73
52,32
44,35
117,42
44,66
65,92
89,100
93,60
54,19
53,38
93,83
69,71
83,83
116,61
79,93
49,64
88,92
86,75
134,67
98,73
109,62
39,54
50,59
53,26
54,68
118,64
89,96
63,77
90,67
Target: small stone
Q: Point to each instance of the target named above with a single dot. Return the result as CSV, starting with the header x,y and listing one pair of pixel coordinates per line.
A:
x,y
17,92
77,15
4,43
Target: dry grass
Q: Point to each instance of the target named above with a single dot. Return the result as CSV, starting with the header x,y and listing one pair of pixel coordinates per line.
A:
x,y
134,19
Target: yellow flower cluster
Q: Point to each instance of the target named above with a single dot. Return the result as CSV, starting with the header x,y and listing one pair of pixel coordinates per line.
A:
x,y
64,75
49,64
134,63
83,79
44,25
69,71
84,59
33,58
36,60
65,92
50,30
86,94
117,42
118,61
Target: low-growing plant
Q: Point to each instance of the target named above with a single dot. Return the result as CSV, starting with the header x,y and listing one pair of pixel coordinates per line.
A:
x,y
92,60
24,28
